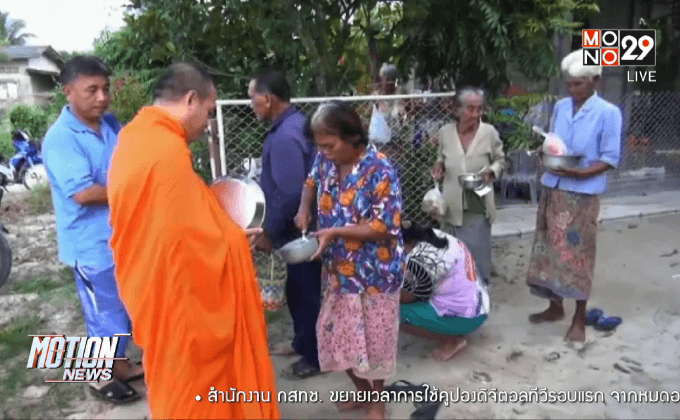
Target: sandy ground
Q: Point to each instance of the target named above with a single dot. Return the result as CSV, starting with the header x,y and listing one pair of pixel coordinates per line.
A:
x,y
636,278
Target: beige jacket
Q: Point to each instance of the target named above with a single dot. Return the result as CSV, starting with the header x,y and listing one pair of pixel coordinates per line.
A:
x,y
486,149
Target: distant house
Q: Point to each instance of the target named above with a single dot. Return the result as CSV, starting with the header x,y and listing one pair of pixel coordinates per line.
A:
x,y
27,75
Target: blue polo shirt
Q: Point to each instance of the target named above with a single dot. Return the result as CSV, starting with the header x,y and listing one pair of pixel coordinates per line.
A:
x,y
76,158
595,133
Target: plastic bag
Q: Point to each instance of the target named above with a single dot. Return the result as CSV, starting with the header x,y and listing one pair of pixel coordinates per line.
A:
x,y
378,130
433,202
553,145
273,291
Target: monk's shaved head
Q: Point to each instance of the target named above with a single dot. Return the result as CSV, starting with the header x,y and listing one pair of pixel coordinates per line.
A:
x,y
181,78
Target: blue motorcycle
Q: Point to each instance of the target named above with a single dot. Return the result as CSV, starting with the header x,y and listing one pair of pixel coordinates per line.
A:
x,y
26,166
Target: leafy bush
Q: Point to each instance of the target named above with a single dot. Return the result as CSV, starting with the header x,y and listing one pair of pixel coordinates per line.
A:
x,y
129,96
6,147
507,115
201,157
58,101
31,119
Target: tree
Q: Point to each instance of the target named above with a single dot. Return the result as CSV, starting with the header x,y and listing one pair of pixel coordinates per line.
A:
x,y
320,42
474,41
12,30
328,46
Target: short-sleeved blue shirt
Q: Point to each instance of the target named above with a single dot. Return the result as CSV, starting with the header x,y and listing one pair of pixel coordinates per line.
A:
x,y
76,158
595,133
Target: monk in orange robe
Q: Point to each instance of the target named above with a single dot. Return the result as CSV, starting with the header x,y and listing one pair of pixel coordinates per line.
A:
x,y
184,268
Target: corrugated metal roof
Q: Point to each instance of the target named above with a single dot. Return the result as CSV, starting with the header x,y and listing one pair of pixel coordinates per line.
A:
x,y
19,52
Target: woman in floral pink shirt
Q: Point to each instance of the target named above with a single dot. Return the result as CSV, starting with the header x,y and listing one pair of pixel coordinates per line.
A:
x,y
359,217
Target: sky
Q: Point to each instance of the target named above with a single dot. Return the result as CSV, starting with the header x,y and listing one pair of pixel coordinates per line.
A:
x,y
66,25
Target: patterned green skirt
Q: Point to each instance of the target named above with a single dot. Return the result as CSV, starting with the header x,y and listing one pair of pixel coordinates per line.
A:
x,y
562,262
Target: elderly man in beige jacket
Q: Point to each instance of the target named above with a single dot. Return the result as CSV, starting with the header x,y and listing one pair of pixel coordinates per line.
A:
x,y
469,146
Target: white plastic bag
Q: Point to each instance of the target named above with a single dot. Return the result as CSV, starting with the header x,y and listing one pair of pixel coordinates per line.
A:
x,y
378,130
433,202
553,145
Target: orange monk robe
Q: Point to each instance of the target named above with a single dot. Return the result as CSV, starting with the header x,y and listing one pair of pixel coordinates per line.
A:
x,y
186,276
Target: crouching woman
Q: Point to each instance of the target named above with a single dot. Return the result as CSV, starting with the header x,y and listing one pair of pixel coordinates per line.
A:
x,y
443,297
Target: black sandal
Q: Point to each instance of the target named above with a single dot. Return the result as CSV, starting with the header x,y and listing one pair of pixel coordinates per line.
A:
x,y
426,411
116,393
406,386
301,370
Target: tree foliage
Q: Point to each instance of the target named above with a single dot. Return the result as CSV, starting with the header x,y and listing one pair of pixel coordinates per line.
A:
x,y
335,46
12,30
474,41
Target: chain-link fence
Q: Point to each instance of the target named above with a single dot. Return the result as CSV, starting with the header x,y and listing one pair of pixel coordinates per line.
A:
x,y
650,144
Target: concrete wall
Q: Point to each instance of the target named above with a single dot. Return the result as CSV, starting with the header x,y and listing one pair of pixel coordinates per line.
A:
x,y
31,89
43,63
24,87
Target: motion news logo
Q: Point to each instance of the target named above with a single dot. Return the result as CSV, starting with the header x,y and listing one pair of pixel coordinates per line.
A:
x,y
85,359
619,47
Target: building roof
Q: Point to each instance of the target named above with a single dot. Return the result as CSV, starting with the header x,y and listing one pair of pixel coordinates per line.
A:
x,y
19,52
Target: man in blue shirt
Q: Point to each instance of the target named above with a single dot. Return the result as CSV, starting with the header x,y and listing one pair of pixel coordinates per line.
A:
x,y
287,158
77,150
563,256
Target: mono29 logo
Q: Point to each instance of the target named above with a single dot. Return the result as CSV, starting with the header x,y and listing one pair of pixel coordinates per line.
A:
x,y
619,47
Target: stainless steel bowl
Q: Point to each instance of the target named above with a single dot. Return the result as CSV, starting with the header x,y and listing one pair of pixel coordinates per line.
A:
x,y
299,250
242,199
471,181
554,163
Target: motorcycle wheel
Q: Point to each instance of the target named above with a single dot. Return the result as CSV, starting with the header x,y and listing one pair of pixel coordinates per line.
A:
x,y
5,259
34,176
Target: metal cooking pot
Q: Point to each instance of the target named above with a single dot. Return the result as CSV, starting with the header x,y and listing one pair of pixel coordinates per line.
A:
x,y
242,199
471,181
299,250
554,162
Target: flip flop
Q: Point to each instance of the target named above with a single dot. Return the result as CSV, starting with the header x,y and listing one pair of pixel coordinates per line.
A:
x,y
301,370
406,386
116,393
608,323
594,316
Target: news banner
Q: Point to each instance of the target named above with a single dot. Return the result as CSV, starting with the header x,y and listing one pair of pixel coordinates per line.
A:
x,y
431,394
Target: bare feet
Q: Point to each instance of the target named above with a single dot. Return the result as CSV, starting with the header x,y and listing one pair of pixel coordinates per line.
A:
x,y
376,411
283,349
577,331
552,314
448,349
350,406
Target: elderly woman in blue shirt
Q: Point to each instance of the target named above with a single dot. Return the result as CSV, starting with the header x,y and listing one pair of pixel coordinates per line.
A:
x,y
563,256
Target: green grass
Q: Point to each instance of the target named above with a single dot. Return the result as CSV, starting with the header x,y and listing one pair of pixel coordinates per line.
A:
x,y
14,337
37,285
64,295
272,316
13,376
40,200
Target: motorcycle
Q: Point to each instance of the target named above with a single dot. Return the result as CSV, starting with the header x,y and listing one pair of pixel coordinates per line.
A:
x,y
26,166
5,249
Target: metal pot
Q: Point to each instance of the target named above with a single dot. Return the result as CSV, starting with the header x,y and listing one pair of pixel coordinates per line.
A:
x,y
299,250
471,181
242,199
554,163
